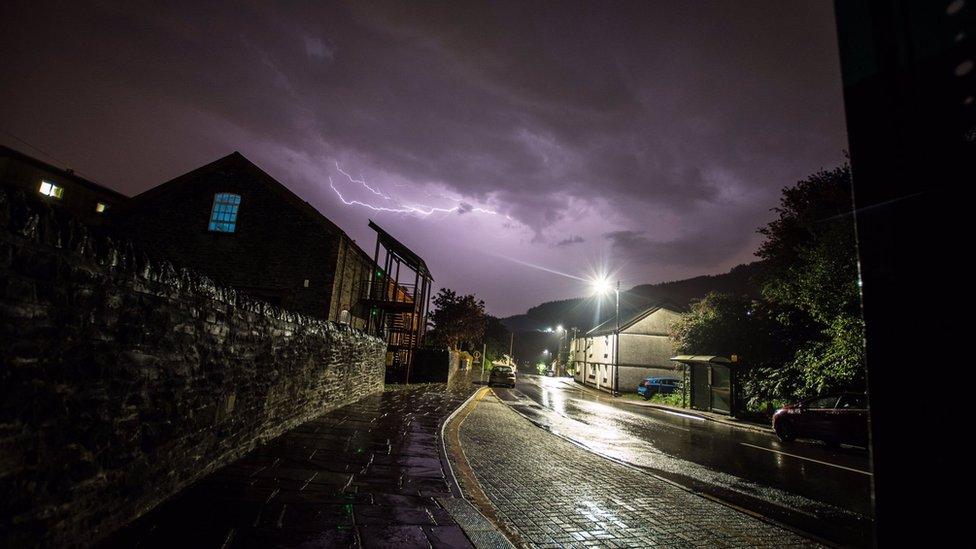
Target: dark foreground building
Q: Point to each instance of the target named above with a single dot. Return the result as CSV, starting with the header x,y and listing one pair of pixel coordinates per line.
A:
x,y
237,224
233,222
63,189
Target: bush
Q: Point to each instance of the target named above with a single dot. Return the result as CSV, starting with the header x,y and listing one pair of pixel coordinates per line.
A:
x,y
670,399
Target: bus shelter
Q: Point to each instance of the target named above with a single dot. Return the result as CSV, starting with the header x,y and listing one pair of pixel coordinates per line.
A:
x,y
713,382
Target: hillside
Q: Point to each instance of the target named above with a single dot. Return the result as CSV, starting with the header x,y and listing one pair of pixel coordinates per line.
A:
x,y
586,312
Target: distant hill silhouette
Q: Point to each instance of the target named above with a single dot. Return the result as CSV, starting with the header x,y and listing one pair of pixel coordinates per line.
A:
x,y
586,312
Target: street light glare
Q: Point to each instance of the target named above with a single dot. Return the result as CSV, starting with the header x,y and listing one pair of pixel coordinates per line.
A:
x,y
559,328
601,286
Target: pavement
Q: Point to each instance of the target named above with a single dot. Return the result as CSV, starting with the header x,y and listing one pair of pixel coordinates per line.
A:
x,y
551,492
366,475
807,486
375,474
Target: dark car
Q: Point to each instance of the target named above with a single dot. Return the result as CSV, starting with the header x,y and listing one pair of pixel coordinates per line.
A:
x,y
654,385
834,419
502,375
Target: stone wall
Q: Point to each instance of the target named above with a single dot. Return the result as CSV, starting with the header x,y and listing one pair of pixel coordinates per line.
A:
x,y
122,380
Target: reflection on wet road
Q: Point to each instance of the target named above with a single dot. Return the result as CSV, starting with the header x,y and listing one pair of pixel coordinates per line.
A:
x,y
821,490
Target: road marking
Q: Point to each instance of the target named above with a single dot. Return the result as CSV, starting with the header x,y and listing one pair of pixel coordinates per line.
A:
x,y
680,414
806,458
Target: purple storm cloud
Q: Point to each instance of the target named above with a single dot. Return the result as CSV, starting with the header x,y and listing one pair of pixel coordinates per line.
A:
x,y
646,138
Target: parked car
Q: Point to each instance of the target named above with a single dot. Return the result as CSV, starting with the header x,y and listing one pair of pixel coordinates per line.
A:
x,y
836,418
651,386
502,375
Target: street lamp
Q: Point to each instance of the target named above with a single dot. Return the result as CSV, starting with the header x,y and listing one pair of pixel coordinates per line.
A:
x,y
602,286
560,332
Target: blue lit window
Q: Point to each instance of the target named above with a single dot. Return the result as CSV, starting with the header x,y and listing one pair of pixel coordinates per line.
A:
x,y
223,218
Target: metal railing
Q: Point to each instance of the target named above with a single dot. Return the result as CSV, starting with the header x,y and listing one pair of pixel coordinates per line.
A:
x,y
384,289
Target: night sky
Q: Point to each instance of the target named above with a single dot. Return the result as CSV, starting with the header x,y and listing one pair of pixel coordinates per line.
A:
x,y
650,139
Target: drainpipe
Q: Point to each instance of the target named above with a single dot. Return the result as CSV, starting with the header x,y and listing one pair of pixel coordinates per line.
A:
x,y
342,279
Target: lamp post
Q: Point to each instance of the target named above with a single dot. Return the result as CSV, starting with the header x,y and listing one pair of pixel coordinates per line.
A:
x,y
559,353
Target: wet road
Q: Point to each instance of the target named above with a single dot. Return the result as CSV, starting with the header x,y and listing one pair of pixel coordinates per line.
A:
x,y
820,490
548,492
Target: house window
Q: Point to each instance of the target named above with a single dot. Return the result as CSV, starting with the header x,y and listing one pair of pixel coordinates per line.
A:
x,y
223,217
100,207
50,189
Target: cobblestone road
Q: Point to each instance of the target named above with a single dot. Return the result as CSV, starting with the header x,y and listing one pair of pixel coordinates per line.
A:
x,y
365,475
555,493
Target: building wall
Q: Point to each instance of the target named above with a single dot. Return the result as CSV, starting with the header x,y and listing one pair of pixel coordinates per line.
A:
x,y
353,269
595,360
276,247
645,350
657,323
127,379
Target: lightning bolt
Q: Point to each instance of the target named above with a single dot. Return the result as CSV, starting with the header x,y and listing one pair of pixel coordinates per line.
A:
x,y
418,209
362,182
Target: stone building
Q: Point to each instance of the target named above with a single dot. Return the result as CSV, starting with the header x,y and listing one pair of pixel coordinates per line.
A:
x,y
237,224
644,350
62,188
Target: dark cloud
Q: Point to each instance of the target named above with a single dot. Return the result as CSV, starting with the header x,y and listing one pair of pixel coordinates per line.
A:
x,y
681,120
576,239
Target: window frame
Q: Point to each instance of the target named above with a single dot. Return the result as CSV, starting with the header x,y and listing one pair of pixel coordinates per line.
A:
x,y
214,225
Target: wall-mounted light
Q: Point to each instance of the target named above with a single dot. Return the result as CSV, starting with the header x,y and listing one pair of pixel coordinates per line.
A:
x,y
100,207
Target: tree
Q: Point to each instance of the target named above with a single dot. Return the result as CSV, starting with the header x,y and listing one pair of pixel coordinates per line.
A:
x,y
457,321
732,324
497,338
804,336
812,273
726,324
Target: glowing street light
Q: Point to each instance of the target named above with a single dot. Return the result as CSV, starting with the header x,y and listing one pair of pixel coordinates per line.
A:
x,y
601,286
559,328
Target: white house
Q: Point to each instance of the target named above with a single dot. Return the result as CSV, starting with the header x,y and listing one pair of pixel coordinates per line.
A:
x,y
644,350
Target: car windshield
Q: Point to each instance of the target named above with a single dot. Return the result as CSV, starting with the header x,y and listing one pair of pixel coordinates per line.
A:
x,y
822,402
853,401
